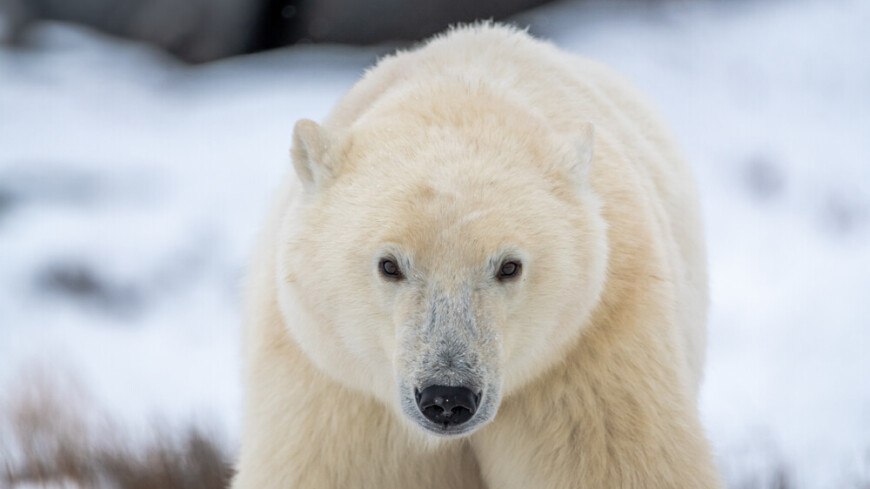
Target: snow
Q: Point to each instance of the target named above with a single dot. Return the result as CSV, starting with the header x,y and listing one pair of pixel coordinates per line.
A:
x,y
131,188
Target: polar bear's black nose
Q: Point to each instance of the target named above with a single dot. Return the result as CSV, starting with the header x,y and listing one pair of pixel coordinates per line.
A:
x,y
447,406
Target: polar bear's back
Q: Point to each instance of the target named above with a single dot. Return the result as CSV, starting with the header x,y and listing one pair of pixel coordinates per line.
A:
x,y
567,91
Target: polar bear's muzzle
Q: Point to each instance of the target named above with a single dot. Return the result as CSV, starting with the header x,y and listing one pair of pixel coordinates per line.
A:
x,y
448,375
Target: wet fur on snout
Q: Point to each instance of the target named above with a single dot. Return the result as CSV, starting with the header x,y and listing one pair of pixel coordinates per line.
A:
x,y
453,345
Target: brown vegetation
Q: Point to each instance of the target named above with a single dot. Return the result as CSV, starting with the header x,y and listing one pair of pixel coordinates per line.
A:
x,y
49,439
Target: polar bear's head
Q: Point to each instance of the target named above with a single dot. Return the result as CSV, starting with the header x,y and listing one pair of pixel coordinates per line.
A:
x,y
439,267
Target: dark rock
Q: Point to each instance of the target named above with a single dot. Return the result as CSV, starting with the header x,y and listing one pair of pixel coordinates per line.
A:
x,y
764,179
82,284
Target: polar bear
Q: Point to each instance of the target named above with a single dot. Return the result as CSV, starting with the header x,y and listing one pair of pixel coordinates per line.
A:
x,y
486,272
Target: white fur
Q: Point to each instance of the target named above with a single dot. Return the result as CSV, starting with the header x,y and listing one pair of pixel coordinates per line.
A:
x,y
449,158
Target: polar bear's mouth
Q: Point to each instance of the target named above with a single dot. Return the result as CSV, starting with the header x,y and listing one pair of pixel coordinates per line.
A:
x,y
448,411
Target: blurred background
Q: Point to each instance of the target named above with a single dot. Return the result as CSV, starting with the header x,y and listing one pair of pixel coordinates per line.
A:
x,y
140,141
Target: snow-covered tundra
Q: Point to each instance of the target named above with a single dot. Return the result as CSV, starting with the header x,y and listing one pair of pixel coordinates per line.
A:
x,y
487,271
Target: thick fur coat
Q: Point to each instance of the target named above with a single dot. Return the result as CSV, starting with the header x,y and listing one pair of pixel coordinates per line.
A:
x,y
547,249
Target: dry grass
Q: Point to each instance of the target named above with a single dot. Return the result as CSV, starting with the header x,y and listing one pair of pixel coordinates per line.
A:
x,y
49,438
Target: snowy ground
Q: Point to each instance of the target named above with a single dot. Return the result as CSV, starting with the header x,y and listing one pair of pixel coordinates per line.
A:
x,y
131,187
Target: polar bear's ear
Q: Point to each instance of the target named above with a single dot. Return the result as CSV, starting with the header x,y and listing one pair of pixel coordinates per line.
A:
x,y
310,152
584,146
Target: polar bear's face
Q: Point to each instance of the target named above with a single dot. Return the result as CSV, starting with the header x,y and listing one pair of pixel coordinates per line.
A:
x,y
441,281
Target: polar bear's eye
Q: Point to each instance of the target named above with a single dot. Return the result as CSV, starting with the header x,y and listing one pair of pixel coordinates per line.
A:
x,y
390,269
509,270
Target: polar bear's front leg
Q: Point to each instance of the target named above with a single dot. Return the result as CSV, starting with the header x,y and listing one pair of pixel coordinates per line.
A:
x,y
600,420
